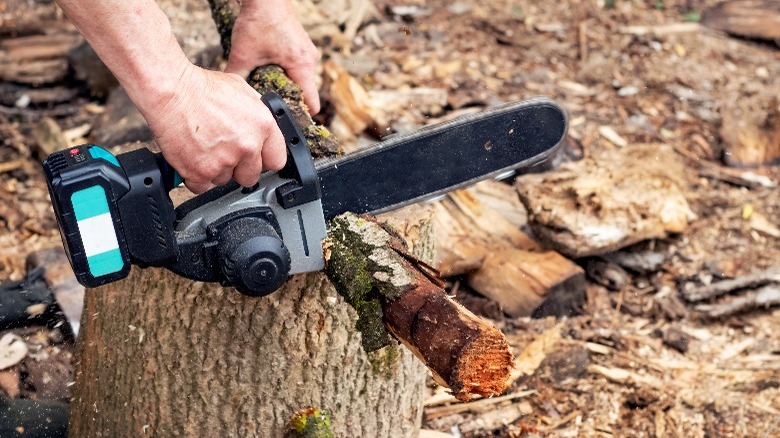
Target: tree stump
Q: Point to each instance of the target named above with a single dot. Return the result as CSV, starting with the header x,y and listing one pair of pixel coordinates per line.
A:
x,y
165,356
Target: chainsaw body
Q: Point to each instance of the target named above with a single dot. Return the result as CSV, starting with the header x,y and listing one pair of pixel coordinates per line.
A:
x,y
115,211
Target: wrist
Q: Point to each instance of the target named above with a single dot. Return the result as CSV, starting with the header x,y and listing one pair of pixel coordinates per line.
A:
x,y
267,8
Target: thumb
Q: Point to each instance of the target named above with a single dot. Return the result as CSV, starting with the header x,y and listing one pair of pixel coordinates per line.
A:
x,y
235,67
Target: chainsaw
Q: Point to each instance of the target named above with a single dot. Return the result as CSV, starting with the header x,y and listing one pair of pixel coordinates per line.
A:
x,y
115,211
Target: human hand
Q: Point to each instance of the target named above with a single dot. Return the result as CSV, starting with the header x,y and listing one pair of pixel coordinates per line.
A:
x,y
216,128
268,32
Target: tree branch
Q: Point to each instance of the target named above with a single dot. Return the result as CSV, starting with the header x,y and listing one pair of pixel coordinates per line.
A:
x,y
368,266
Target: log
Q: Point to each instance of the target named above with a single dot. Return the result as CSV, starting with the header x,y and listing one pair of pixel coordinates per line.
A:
x,y
371,269
502,262
606,202
751,131
745,18
37,59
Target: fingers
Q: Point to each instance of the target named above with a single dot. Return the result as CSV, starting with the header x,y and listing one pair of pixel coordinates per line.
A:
x,y
310,93
274,152
197,187
234,66
223,178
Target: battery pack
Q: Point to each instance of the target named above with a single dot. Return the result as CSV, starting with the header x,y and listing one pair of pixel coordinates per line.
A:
x,y
85,184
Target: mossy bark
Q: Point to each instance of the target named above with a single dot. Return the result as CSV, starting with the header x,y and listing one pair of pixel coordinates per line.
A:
x,y
392,292
222,14
273,78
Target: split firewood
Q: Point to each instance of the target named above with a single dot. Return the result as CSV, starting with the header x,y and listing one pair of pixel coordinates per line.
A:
x,y
372,270
603,203
535,283
37,59
751,131
354,111
745,18
501,261
466,232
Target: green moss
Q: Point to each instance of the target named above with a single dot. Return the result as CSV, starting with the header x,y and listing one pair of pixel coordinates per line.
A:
x,y
350,271
369,323
384,361
222,14
273,78
312,423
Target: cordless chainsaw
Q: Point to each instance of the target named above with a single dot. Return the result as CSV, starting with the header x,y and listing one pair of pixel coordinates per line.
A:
x,y
114,211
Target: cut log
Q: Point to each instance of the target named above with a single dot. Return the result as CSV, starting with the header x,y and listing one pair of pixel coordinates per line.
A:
x,y
751,131
531,283
609,201
502,262
354,111
37,59
368,266
745,18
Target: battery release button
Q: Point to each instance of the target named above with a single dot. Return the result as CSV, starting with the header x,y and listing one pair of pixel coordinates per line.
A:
x,y
101,154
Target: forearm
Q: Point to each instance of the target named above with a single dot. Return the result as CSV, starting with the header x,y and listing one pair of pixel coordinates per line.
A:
x,y
135,41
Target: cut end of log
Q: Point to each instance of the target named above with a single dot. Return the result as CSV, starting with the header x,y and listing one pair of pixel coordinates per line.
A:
x,y
484,366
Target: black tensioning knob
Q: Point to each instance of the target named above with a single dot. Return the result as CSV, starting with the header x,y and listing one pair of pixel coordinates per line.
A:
x,y
253,257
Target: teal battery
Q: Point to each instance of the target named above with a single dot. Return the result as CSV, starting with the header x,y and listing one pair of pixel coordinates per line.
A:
x,y
85,183
96,230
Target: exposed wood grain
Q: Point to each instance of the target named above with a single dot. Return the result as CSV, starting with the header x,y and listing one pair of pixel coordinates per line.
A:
x,y
745,18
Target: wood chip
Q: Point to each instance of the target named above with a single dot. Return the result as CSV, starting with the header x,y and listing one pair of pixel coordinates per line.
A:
x,y
661,30
532,356
477,406
619,375
10,166
13,350
612,136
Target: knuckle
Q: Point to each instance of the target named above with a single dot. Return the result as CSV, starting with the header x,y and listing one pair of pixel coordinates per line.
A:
x,y
246,148
208,169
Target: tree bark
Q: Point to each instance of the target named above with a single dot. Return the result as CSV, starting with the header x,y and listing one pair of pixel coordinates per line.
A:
x,y
391,288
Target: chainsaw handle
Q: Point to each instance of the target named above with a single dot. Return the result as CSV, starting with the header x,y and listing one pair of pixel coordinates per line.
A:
x,y
299,164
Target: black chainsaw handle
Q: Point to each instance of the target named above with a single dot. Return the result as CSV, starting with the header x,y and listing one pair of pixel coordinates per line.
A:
x,y
299,167
304,185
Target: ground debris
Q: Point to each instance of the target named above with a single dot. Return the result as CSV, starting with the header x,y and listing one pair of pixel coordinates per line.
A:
x,y
638,68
